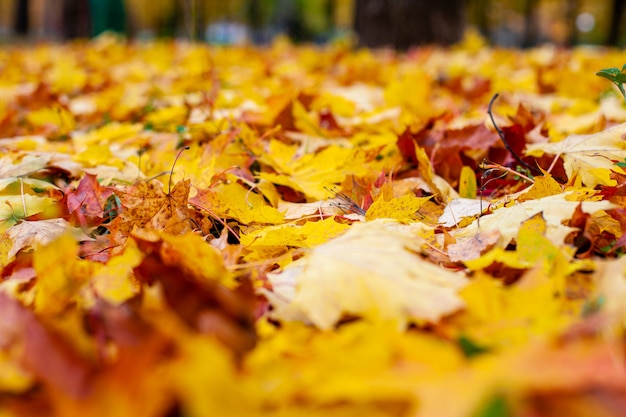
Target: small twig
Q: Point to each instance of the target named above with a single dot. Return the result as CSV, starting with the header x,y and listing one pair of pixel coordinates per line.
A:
x,y
218,219
532,169
169,187
488,166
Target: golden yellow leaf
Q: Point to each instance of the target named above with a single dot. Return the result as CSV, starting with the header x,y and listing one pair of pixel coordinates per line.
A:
x,y
195,256
168,118
234,201
60,275
507,316
95,155
206,380
311,174
309,235
107,134
115,282
427,173
57,117
404,209
544,186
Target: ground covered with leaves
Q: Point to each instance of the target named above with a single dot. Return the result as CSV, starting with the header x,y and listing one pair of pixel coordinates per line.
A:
x,y
289,231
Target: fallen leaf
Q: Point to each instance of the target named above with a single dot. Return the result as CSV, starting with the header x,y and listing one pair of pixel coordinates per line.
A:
x,y
88,201
147,205
404,209
592,157
370,272
27,234
468,248
555,208
60,275
60,366
234,201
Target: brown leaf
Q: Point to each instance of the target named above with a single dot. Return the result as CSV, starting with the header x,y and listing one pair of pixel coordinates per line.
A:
x,y
147,205
203,303
467,248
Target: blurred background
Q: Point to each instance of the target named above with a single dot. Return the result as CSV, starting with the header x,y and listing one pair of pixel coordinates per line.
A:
x,y
397,23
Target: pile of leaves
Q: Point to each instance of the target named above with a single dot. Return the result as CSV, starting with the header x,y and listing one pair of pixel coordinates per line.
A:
x,y
285,231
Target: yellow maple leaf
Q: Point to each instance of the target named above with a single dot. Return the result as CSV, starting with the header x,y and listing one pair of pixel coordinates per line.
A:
x,y
592,157
55,117
114,282
555,208
544,186
107,134
505,316
195,256
235,201
95,155
308,235
60,275
404,209
311,174
370,272
167,119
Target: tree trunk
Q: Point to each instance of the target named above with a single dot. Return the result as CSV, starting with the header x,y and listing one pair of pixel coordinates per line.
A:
x,y
616,18
530,24
405,23
21,17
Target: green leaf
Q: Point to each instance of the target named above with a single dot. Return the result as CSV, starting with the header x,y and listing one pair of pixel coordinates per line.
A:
x,y
624,68
470,348
608,72
605,74
496,406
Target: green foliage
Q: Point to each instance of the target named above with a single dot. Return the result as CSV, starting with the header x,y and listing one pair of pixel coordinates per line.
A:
x,y
616,76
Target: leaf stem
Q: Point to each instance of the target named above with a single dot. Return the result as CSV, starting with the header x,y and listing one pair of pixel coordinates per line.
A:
x,y
506,144
509,170
169,186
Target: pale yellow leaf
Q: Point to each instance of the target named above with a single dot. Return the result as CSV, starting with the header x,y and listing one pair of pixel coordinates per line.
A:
x,y
28,233
555,210
591,157
16,207
372,271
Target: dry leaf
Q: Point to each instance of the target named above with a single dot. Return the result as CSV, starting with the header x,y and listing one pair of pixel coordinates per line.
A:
x,y
370,271
29,233
592,157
